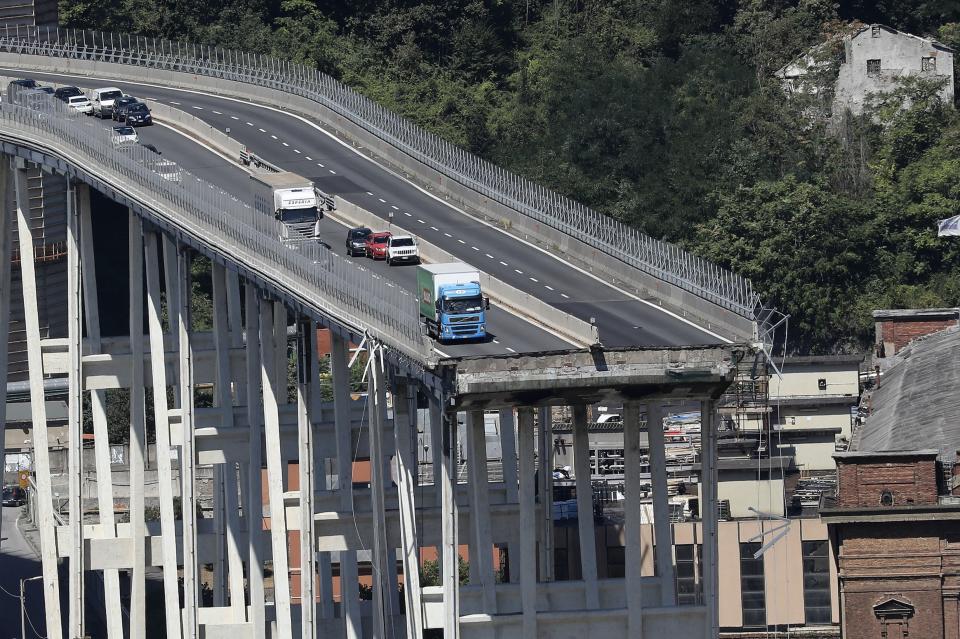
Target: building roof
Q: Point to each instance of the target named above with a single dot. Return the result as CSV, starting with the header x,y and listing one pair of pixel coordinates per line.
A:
x,y
916,313
916,405
811,360
813,400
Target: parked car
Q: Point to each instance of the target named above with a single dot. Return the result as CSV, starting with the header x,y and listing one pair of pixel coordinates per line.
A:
x,y
103,100
377,245
402,249
120,106
357,241
65,93
124,136
137,115
80,103
14,496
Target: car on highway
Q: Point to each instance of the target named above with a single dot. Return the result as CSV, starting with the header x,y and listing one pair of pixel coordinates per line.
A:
x,y
124,136
357,241
80,103
376,245
121,105
47,90
14,496
65,93
137,115
103,100
17,85
167,169
402,249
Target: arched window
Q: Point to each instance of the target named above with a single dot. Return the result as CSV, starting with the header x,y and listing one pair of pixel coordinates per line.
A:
x,y
886,498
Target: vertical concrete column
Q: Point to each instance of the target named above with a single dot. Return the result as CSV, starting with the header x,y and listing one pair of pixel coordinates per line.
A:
x,y
508,453
449,569
101,443
188,459
324,566
38,410
271,422
528,523
253,506
75,415
6,258
633,559
378,418
436,454
708,512
545,417
223,402
404,412
663,535
480,508
349,580
588,541
306,356
161,417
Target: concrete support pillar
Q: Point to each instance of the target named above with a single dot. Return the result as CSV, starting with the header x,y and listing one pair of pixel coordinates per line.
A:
x,y
480,508
275,469
545,442
436,455
349,581
161,416
588,542
446,423
306,373
378,417
6,258
253,507
528,523
404,428
508,452
38,410
101,444
709,515
324,565
75,416
633,559
188,459
663,535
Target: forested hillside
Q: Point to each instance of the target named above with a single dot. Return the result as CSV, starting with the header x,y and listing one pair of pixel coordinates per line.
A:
x,y
661,113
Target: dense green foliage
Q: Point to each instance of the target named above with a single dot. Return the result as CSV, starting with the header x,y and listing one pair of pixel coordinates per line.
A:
x,y
663,114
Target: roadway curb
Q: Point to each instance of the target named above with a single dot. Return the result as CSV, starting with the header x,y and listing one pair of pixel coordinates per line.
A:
x,y
28,538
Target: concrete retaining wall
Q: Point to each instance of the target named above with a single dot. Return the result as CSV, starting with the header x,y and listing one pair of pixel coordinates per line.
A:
x,y
504,295
703,312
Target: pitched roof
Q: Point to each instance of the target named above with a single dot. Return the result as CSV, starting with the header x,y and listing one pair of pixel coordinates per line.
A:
x,y
916,405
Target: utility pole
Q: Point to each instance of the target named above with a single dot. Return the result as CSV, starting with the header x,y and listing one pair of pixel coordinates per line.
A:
x,y
23,609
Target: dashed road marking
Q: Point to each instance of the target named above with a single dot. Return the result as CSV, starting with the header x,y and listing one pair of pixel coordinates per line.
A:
x,y
198,108
420,221
232,117
564,296
296,150
263,130
504,263
369,193
518,271
332,171
511,350
249,123
172,102
391,206
461,241
218,113
382,200
448,235
549,288
534,280
309,158
488,255
320,165
274,137
433,228
496,341
474,248
284,144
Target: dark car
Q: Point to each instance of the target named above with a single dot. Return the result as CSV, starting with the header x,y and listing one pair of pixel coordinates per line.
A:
x,y
47,90
14,496
17,85
357,241
377,245
120,106
65,93
137,114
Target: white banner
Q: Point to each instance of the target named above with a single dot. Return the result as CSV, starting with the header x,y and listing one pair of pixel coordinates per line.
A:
x,y
950,226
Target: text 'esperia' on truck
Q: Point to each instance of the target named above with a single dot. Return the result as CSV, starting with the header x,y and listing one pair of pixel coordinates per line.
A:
x,y
452,305
292,200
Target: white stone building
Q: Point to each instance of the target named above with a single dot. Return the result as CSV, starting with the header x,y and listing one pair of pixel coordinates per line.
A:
x,y
874,57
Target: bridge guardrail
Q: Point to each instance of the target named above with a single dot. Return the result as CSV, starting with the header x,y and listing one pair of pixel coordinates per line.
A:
x,y
659,259
308,271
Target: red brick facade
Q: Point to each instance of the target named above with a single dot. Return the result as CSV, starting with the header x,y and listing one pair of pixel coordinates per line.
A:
x,y
902,332
862,484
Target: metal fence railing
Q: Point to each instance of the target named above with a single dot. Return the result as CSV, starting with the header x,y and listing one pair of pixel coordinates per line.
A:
x,y
662,260
309,271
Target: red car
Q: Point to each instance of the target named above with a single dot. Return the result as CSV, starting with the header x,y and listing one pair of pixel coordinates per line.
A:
x,y
377,245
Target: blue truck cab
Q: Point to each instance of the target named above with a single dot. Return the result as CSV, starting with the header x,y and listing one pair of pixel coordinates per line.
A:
x,y
452,305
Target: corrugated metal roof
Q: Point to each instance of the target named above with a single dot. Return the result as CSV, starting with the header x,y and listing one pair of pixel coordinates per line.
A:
x,y
916,406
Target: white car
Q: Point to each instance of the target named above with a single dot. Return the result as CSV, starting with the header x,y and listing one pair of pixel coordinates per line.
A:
x,y
80,103
124,136
167,169
402,248
102,100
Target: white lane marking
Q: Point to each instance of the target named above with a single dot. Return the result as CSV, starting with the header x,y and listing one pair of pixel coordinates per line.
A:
x,y
448,235
420,221
407,214
391,206
382,200
309,158
369,193
534,280
233,117
549,288
249,123
439,352
296,151
230,161
332,171
320,165
218,113
198,108
263,130
284,144
272,136
488,255
564,296
496,341
511,350
518,271
461,241
172,102
474,248
504,263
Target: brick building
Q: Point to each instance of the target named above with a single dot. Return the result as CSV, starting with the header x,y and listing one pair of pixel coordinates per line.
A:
x,y
897,328
895,527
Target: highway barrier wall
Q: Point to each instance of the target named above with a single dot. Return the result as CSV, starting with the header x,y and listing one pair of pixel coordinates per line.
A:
x,y
722,321
535,310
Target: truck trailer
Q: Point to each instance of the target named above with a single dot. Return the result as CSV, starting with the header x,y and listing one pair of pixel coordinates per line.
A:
x,y
452,305
290,199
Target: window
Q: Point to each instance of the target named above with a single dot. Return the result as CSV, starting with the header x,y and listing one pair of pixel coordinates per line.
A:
x,y
886,498
752,597
689,573
822,383
816,582
873,67
875,31
928,64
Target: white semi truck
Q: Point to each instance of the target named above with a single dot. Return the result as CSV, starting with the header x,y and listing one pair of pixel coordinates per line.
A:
x,y
291,199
